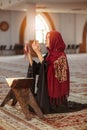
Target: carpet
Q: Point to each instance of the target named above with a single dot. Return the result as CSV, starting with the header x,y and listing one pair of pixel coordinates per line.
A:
x,y
12,118
1,128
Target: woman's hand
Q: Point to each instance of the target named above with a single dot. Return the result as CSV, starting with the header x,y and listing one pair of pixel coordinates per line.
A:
x,y
36,47
27,49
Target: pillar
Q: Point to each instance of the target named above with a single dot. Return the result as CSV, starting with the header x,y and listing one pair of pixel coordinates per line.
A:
x,y
30,23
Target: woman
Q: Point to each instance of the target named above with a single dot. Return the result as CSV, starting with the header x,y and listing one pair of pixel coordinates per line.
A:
x,y
53,70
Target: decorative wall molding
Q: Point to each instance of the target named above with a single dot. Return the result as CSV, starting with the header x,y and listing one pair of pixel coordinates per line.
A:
x,y
4,26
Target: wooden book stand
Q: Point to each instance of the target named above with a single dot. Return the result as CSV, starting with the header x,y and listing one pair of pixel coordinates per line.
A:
x,y
21,92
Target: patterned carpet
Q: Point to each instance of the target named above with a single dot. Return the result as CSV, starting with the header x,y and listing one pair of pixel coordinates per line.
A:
x,y
12,118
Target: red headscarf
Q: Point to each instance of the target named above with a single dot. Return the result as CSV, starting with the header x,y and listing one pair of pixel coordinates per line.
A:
x,y
58,71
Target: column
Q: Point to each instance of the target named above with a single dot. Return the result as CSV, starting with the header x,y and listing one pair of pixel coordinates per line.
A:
x,y
30,23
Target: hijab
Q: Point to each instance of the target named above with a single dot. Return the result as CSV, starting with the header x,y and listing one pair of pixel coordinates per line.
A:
x,y
58,70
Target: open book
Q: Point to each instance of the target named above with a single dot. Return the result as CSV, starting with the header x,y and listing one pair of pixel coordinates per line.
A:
x,y
10,80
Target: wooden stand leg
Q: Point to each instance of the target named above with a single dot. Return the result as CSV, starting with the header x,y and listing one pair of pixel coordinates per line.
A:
x,y
33,104
23,97
8,97
26,98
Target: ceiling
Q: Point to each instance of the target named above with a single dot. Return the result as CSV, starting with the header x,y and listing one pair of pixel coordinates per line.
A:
x,y
53,6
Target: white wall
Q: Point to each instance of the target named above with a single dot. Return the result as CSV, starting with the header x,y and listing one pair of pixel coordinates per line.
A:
x,y
70,25
67,27
14,19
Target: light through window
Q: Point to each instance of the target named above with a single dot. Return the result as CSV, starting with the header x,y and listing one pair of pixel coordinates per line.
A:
x,y
41,29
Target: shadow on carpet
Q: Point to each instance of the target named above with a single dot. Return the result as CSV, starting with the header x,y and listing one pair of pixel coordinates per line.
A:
x,y
71,106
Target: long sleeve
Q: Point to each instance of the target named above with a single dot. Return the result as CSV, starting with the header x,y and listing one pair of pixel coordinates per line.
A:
x,y
34,69
42,93
32,72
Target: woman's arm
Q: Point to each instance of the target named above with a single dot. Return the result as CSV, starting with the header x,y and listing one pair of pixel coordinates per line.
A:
x,y
30,59
34,67
27,52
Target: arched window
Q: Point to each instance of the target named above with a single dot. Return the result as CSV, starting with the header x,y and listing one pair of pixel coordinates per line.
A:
x,y
41,29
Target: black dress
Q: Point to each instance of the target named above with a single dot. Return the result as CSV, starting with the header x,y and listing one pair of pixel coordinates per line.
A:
x,y
41,95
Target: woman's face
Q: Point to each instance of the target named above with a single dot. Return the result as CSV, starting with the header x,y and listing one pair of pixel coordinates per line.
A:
x,y
47,44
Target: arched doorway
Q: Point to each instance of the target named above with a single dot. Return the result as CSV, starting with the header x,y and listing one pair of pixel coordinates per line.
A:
x,y
83,47
23,26
44,24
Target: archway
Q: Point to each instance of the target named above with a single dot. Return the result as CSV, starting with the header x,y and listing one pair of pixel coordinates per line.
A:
x,y
23,27
83,46
49,20
22,31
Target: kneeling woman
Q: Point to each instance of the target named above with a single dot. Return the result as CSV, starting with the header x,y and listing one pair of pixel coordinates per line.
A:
x,y
53,70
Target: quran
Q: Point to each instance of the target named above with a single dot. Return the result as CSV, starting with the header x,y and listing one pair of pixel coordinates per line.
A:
x,y
19,79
